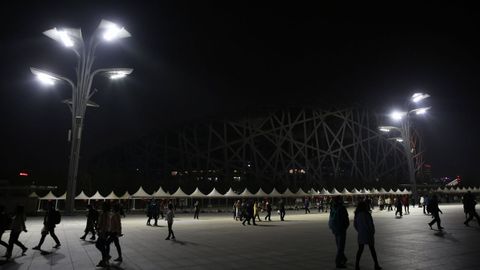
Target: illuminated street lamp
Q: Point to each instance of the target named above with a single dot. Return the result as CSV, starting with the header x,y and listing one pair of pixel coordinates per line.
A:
x,y
404,119
82,88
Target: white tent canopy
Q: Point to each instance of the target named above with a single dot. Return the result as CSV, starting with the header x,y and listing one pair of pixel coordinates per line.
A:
x,y
346,192
63,196
383,191
82,196
230,193
125,196
324,192
179,193
356,192
197,194
288,193
274,193
33,195
214,194
301,193
246,193
160,193
112,196
260,193
140,193
335,192
97,196
49,196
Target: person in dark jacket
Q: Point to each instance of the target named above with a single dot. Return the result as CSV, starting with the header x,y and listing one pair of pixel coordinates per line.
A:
x,y
469,208
18,226
103,230
92,218
49,223
269,211
249,213
434,210
281,207
398,205
3,224
197,210
338,223
363,223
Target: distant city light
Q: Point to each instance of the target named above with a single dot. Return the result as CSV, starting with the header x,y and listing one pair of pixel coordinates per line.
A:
x,y
23,174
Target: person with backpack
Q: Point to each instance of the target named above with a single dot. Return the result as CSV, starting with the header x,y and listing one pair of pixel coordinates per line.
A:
x,y
5,223
432,207
398,205
92,218
363,223
338,222
18,226
51,219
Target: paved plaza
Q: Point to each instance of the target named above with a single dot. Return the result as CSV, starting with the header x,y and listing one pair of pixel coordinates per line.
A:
x,y
216,241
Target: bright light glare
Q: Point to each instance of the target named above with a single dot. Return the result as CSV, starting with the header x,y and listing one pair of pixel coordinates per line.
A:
x,y
396,115
112,32
419,96
384,129
63,35
421,110
46,79
117,76
399,139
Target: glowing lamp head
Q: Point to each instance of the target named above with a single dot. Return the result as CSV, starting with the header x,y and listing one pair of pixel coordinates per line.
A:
x,y
399,139
64,37
422,110
397,116
417,97
43,77
383,129
111,31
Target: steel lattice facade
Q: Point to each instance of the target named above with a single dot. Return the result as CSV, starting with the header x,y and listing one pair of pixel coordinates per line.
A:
x,y
292,148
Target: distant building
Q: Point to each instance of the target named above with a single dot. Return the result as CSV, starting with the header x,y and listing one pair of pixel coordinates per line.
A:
x,y
296,147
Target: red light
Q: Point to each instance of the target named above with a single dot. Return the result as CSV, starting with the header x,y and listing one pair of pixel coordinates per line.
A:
x,y
23,174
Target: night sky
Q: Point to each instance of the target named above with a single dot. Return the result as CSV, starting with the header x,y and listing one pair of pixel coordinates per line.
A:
x,y
194,62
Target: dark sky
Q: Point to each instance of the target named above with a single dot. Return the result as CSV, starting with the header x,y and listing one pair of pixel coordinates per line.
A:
x,y
194,61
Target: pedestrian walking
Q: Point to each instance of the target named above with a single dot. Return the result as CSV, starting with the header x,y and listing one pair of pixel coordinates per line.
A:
x,y
363,223
238,206
169,218
426,201
103,230
434,210
5,223
406,204
307,205
92,218
197,210
398,205
469,208
51,219
17,227
281,208
115,232
269,211
338,222
248,213
256,211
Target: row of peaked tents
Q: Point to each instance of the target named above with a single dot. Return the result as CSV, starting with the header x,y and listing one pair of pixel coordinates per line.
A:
x,y
160,193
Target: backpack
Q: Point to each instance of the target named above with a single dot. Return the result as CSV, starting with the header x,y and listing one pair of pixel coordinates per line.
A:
x,y
57,217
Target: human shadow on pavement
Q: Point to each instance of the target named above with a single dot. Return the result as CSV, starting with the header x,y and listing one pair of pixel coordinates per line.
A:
x,y
183,243
10,264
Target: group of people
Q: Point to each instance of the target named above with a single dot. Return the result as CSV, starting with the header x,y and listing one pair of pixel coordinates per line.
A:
x,y
401,204
249,210
106,228
363,222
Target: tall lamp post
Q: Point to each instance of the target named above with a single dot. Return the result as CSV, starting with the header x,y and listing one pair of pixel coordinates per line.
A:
x,y
81,89
404,130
